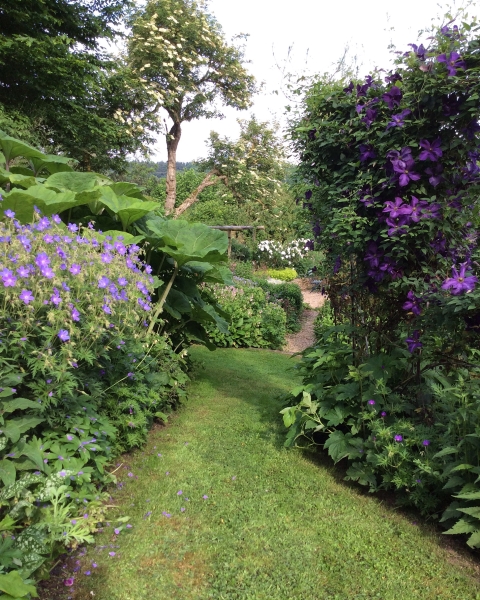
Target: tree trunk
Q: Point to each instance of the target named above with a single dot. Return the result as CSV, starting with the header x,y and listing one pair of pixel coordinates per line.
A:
x,y
173,139
194,195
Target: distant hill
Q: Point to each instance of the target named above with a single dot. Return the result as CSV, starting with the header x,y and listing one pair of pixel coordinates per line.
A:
x,y
159,169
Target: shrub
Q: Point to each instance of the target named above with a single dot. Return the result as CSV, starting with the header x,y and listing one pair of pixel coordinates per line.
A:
x,y
324,319
244,270
240,251
289,297
253,321
81,380
283,274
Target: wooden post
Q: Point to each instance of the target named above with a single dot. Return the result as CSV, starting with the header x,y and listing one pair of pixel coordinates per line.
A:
x,y
229,243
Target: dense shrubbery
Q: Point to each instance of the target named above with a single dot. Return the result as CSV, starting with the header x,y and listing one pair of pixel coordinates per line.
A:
x,y
253,321
289,296
277,254
391,175
324,319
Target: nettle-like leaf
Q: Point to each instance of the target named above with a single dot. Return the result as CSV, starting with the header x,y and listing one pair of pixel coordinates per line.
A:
x,y
13,585
189,242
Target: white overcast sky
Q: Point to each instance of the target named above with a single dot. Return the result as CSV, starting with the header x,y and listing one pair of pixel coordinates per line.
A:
x,y
323,28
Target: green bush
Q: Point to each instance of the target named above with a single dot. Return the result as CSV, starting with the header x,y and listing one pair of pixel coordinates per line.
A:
x,y
80,379
240,251
254,321
283,274
289,297
244,270
323,320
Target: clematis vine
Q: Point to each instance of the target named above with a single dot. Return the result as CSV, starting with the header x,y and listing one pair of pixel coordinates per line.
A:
x,y
399,119
413,304
431,150
397,208
460,283
420,51
414,343
366,152
435,173
393,97
453,61
404,169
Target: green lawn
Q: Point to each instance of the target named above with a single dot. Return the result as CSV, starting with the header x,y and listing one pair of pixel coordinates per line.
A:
x,y
277,524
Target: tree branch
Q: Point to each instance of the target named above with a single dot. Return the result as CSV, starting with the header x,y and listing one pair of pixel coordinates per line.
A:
x,y
194,195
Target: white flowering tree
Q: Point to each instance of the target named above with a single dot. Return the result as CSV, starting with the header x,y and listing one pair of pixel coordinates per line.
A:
x,y
180,54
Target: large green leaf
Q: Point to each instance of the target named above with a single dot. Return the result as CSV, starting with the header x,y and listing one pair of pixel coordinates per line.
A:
x,y
186,242
18,179
7,472
12,148
33,451
128,209
51,164
22,423
123,188
12,584
76,182
22,202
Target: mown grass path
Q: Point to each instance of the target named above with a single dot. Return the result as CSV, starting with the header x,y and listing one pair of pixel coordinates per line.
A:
x,y
277,523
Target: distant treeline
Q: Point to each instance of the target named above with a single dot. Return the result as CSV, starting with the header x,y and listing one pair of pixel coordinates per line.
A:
x,y
160,168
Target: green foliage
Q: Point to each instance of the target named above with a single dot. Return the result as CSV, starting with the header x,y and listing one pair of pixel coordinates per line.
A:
x,y
277,254
324,320
254,321
283,274
289,297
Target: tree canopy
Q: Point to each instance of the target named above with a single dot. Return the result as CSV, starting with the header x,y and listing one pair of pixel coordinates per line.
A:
x,y
180,53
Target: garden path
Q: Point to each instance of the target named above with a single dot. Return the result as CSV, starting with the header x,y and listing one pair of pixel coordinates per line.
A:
x,y
297,342
221,510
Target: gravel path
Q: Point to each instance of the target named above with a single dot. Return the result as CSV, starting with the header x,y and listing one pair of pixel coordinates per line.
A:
x,y
297,342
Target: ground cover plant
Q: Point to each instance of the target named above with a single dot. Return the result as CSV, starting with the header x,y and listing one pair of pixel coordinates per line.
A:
x,y
218,501
390,168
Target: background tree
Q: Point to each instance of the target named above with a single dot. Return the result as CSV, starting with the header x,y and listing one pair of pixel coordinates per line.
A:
x,y
53,71
183,58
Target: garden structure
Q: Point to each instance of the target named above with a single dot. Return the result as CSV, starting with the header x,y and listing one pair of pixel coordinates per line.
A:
x,y
231,228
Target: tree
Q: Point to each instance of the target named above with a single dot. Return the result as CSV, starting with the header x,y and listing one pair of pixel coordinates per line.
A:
x,y
179,51
54,71
252,168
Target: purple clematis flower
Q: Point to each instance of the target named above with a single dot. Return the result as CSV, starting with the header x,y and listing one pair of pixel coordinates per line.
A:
x,y
413,304
417,207
373,255
396,226
453,61
460,283
431,150
370,117
393,97
436,176
419,51
397,208
404,169
399,119
413,342
404,154
366,152
432,211
393,77
349,88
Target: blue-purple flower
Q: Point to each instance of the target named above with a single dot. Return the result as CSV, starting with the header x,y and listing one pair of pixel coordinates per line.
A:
x,y
431,150
460,283
63,335
398,120
26,296
414,342
413,304
453,61
404,169
366,152
393,97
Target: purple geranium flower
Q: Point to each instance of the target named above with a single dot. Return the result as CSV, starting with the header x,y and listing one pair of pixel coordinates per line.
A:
x,y
398,120
398,438
9,279
26,296
42,260
460,283
453,61
47,272
72,227
75,314
103,282
75,269
63,335
9,213
431,150
414,342
393,97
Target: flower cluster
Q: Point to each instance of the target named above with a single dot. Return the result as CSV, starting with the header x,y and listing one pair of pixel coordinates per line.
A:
x,y
276,254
